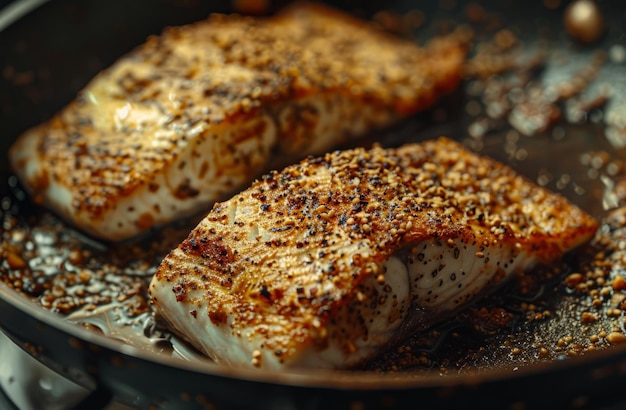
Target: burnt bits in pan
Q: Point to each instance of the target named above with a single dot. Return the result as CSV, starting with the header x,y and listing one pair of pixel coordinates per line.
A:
x,y
541,103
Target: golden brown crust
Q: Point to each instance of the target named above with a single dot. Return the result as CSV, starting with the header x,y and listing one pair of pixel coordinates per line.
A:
x,y
290,250
131,122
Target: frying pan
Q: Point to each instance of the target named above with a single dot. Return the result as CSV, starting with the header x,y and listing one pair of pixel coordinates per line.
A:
x,y
49,53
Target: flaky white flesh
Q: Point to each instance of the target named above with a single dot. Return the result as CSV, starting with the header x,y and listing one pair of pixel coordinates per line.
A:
x,y
435,279
210,164
195,114
206,168
333,259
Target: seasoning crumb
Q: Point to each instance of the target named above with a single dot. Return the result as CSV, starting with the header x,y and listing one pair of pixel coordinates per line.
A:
x,y
616,338
256,358
587,318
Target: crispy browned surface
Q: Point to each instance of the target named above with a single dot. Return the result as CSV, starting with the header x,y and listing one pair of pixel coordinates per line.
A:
x,y
330,222
134,119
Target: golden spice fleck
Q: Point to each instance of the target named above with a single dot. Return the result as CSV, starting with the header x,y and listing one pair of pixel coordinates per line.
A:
x,y
616,338
15,260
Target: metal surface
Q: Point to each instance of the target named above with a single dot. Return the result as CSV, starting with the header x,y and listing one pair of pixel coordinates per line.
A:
x,y
58,47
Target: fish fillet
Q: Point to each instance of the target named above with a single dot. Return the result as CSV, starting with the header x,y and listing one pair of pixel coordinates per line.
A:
x,y
331,260
196,113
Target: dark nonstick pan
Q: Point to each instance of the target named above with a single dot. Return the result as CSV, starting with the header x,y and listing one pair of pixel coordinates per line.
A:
x,y
541,354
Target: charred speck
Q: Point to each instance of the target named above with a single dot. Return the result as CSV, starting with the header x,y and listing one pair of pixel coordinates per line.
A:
x,y
265,293
280,229
193,244
180,291
343,219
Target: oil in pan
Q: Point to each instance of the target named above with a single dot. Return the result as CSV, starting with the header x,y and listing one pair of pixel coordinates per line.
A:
x,y
526,100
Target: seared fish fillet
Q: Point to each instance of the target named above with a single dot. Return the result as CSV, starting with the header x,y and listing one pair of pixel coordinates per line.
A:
x,y
196,113
333,259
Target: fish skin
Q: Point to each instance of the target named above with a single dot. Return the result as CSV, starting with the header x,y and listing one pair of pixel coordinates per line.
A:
x,y
198,112
332,259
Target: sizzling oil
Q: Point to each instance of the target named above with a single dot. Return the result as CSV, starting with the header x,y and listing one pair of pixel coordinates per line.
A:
x,y
536,317
573,145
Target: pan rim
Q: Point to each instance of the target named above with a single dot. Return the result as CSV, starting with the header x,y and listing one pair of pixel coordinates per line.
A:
x,y
301,378
320,378
14,11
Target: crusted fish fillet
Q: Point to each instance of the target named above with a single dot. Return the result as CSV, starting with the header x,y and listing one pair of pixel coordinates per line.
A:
x,y
332,259
195,113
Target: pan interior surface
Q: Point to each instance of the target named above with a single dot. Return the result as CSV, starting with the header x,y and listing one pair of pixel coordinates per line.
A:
x,y
548,320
